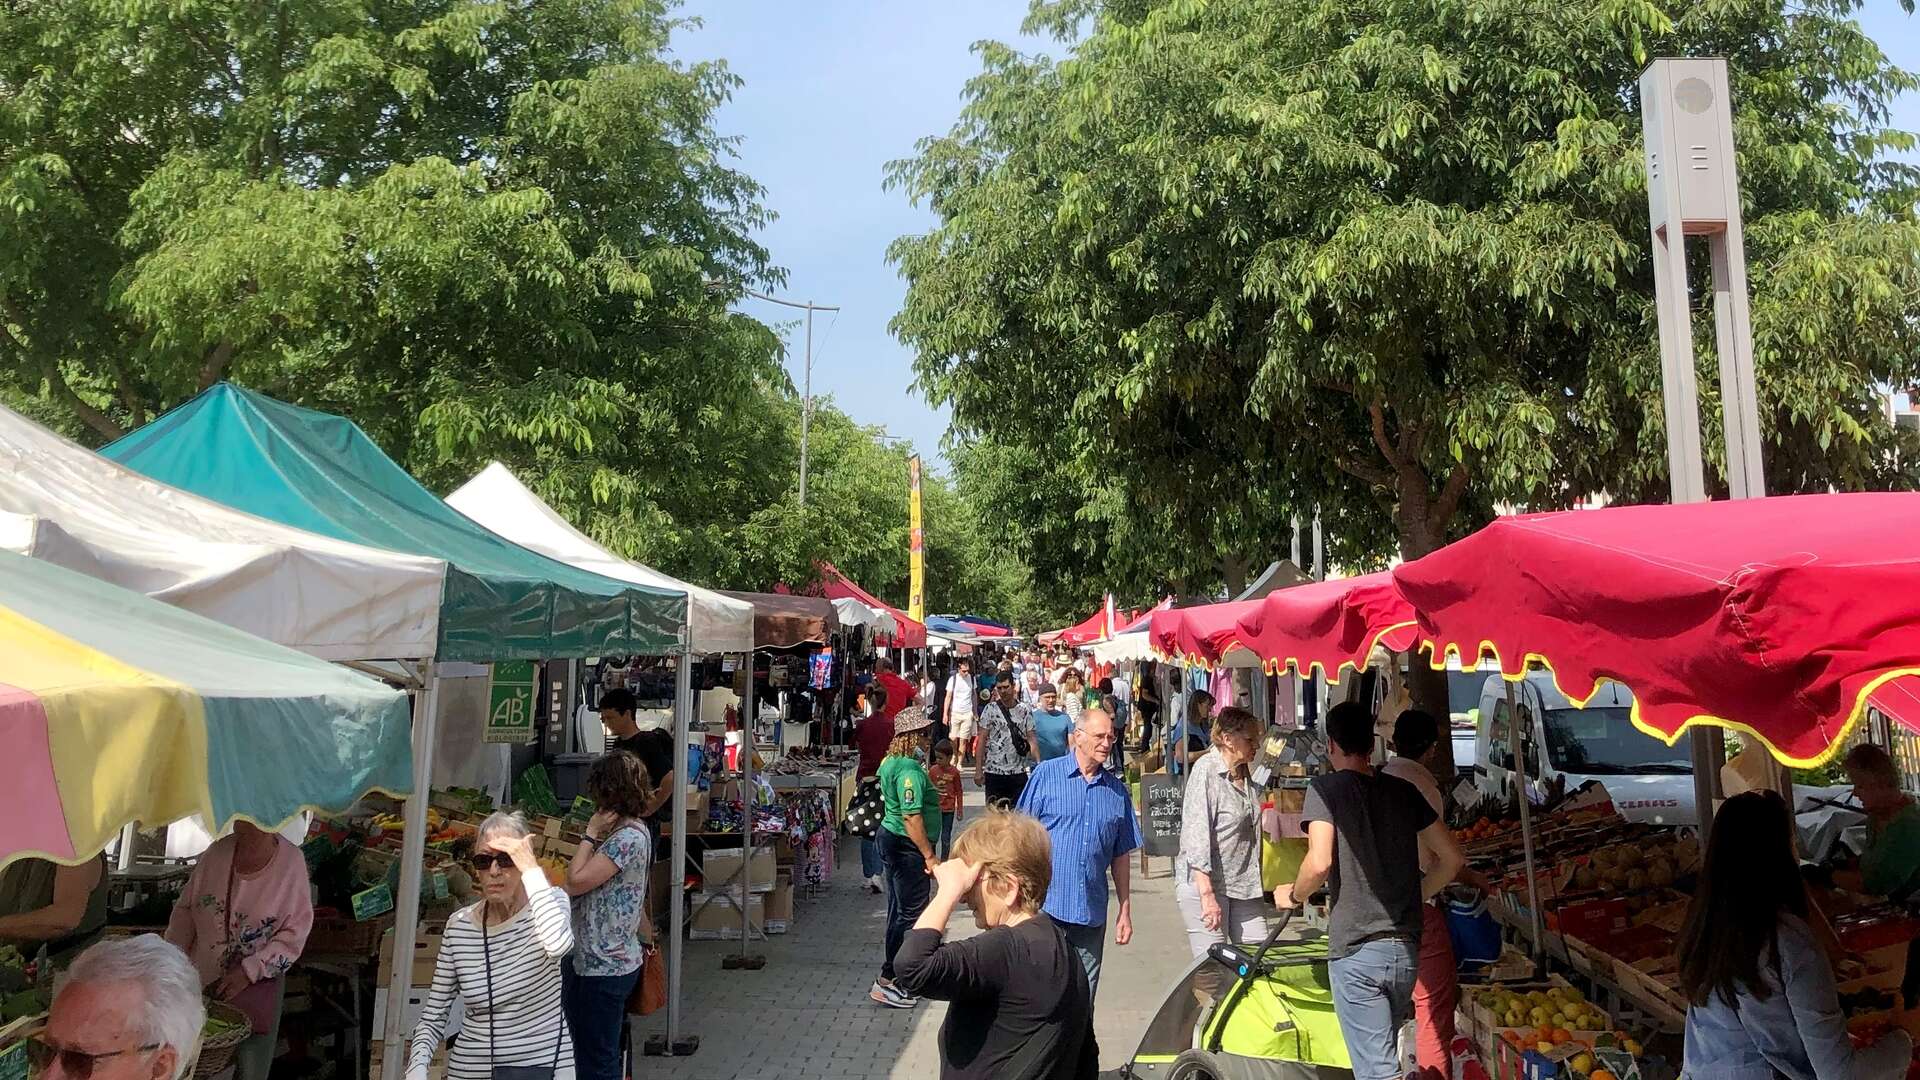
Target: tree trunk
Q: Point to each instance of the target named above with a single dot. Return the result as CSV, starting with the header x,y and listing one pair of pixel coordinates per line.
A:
x,y
1427,687
1233,569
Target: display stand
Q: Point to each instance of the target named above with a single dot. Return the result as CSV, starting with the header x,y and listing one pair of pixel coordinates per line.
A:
x,y
745,960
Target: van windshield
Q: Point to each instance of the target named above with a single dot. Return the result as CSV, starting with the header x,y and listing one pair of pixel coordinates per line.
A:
x,y
1604,742
1463,693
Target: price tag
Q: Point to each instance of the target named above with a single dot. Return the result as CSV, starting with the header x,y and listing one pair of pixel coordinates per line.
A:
x,y
375,901
582,808
439,885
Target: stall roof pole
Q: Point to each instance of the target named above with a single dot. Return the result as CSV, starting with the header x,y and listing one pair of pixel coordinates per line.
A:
x,y
413,854
676,944
1526,813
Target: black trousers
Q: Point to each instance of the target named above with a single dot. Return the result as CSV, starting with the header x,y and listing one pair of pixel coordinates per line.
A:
x,y
1005,788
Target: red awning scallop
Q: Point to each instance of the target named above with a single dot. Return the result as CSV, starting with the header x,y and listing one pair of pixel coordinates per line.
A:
x,y
1776,617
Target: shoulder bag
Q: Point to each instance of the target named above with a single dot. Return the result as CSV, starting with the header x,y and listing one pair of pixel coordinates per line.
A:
x,y
1020,746
514,1072
866,809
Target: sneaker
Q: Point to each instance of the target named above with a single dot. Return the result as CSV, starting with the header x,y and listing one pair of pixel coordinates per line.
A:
x,y
873,884
891,996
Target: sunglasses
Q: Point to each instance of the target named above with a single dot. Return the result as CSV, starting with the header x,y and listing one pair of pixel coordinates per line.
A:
x,y
480,861
75,1063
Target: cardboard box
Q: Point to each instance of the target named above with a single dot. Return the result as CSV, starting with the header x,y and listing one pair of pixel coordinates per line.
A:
x,y
436,1069
779,904
720,919
721,869
426,953
660,887
416,1004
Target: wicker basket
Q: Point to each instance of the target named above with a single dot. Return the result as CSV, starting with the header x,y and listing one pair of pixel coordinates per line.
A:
x,y
216,1053
333,935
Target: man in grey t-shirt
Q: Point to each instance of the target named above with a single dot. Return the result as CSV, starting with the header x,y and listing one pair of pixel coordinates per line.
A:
x,y
1366,832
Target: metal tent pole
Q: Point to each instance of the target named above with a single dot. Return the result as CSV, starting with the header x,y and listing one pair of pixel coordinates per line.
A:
x,y
677,919
1526,812
413,855
745,959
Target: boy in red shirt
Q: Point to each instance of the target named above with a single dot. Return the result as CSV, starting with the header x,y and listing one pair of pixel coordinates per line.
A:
x,y
946,779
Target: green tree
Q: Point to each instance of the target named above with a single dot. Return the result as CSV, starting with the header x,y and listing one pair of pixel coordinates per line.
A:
x,y
1393,257
482,230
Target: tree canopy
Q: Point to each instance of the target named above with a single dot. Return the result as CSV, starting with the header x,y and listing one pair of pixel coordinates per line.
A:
x,y
481,230
1392,258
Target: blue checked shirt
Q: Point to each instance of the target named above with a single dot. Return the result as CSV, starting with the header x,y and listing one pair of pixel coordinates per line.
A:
x,y
1091,824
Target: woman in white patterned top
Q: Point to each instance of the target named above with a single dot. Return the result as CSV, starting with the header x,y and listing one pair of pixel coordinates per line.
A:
x,y
608,881
502,958
1217,873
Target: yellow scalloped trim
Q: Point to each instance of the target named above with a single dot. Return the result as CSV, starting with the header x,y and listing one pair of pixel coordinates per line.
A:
x,y
1281,667
1854,716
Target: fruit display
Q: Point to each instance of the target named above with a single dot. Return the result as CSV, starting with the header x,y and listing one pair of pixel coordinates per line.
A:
x,y
1624,869
1550,1015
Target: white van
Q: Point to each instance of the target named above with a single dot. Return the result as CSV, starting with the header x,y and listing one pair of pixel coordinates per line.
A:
x,y
1648,780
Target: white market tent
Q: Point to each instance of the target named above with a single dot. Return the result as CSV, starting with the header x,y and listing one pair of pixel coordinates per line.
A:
x,y
332,599
497,500
854,613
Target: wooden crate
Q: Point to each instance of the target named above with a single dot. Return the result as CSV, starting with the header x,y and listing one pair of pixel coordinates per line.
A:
x,y
426,953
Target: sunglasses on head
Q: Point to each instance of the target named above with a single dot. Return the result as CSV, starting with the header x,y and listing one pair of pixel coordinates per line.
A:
x,y
481,860
75,1063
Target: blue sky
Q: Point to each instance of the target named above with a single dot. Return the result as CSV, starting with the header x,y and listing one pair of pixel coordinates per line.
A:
x,y
837,88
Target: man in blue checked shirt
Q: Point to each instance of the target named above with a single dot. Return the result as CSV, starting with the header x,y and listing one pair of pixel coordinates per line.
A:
x,y
1089,816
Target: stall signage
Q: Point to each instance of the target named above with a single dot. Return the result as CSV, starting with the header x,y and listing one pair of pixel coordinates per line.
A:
x,y
1160,804
582,808
375,901
13,1062
510,703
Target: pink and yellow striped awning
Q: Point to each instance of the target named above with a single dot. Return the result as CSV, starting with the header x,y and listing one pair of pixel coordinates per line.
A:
x,y
117,708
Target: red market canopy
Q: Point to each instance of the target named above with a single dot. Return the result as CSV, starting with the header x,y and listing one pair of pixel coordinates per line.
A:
x,y
1331,625
1089,630
1201,635
1777,617
838,586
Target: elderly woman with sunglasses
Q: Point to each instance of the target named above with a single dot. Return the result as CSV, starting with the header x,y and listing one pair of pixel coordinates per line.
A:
x,y
502,958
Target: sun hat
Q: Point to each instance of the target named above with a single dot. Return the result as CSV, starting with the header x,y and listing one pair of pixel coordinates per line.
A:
x,y
911,719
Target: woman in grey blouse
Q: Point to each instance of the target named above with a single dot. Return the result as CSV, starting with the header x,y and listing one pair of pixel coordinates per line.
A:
x,y
1217,874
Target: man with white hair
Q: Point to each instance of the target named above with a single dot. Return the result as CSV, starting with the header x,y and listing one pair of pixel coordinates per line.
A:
x,y
127,1010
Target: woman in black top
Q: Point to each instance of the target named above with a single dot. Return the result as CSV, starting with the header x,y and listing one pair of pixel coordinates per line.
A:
x,y
1020,1006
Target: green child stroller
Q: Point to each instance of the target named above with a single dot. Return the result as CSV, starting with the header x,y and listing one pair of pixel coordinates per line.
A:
x,y
1270,1018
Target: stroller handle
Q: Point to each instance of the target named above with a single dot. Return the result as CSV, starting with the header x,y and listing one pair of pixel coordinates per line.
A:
x,y
1237,960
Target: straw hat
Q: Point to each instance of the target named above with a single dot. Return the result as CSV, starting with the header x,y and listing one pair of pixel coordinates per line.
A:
x,y
911,719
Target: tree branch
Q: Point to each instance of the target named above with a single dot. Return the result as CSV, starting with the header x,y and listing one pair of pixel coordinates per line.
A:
x,y
88,415
1377,413
216,363
1359,470
1443,507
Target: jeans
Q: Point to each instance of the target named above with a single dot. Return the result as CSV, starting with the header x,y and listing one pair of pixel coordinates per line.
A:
x,y
1436,991
946,834
908,889
1242,922
1005,788
1372,996
1089,944
871,864
596,1008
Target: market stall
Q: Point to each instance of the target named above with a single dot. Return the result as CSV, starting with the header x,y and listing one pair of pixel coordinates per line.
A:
x,y
499,601
910,633
717,624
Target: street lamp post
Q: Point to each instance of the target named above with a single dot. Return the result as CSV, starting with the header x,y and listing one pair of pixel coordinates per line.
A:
x,y
806,402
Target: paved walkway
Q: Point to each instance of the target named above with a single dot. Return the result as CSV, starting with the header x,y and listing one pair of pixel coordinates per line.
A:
x,y
806,1014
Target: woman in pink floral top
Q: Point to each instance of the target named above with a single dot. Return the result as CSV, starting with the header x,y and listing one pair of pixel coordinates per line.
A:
x,y
243,920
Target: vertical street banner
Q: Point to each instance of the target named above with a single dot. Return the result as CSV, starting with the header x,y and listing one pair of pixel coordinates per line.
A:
x,y
916,546
510,702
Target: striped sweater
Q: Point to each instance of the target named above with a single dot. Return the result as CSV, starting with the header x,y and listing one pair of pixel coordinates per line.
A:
x,y
523,1015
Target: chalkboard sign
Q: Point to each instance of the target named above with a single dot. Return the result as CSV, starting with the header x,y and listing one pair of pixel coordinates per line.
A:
x,y
1160,799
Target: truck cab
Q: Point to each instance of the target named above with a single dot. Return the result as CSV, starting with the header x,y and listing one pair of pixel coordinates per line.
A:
x,y
1649,781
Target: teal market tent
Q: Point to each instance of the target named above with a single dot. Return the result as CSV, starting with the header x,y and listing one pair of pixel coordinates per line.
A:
x,y
322,473
499,601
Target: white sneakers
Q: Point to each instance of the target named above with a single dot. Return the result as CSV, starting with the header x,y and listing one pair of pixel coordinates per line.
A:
x,y
873,885
891,996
